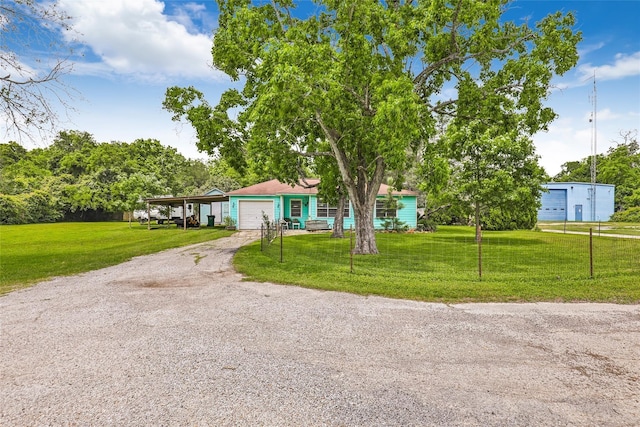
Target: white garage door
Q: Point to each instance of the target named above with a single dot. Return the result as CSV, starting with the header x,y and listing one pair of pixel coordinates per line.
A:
x,y
250,213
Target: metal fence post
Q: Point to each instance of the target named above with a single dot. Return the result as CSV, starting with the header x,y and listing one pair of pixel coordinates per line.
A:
x,y
281,240
351,246
479,236
591,251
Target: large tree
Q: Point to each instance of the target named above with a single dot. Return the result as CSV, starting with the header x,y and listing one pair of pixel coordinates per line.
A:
x,y
366,80
32,66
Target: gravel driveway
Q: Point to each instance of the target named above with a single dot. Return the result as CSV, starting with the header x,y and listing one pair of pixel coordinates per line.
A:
x,y
177,338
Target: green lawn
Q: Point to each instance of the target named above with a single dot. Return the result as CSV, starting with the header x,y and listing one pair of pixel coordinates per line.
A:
x,y
443,266
33,252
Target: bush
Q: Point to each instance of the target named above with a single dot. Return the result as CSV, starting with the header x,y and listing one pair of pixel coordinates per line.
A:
x,y
426,224
501,220
41,207
394,224
13,210
38,206
627,215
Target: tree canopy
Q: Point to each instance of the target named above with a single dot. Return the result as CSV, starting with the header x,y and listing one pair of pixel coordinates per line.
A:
x,y
363,84
79,178
493,176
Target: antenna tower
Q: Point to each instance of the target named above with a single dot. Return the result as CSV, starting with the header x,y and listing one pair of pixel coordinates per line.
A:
x,y
594,149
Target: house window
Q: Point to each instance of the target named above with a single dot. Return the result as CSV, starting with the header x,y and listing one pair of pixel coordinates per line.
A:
x,y
383,212
295,208
325,211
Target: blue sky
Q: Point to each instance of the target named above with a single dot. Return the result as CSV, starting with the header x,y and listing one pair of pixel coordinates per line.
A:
x,y
132,50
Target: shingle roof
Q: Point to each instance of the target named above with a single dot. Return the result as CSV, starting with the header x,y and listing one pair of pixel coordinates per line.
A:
x,y
275,187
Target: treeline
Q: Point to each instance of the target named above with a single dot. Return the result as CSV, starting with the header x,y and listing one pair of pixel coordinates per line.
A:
x,y
620,166
77,178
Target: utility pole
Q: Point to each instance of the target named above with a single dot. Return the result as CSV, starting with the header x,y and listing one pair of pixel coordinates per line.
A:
x,y
594,149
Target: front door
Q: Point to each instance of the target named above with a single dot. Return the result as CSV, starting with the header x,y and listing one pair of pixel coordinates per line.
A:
x,y
578,212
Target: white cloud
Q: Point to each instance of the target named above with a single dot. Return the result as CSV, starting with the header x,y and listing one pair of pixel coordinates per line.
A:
x,y
570,138
623,66
186,14
136,38
584,50
607,114
602,115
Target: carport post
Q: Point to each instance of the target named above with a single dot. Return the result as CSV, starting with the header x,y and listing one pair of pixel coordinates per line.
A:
x,y
148,216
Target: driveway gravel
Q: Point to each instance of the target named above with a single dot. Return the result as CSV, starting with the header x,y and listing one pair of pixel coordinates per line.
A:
x,y
177,338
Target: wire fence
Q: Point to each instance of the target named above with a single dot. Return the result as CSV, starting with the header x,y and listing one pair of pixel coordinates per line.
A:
x,y
519,256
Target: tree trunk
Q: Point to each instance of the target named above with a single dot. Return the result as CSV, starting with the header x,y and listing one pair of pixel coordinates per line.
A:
x,y
365,232
477,219
338,223
361,188
363,199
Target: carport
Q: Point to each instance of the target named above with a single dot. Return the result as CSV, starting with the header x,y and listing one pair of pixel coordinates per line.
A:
x,y
182,201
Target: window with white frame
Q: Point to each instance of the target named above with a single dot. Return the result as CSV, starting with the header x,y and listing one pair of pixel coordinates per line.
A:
x,y
295,208
324,210
383,212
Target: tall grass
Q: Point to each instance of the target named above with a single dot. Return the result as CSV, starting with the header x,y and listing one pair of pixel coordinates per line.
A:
x,y
33,252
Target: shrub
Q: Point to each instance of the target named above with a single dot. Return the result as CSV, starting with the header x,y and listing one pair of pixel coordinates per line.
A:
x,y
502,219
41,207
627,215
394,224
13,210
426,224
37,206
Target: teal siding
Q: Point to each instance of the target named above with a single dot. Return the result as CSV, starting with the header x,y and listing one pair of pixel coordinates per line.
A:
x,y
408,214
305,207
313,205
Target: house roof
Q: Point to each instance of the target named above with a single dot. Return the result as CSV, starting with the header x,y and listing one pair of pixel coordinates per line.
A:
x,y
214,192
275,187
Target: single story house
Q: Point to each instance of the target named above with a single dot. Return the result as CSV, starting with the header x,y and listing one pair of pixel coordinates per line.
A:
x,y
576,201
278,200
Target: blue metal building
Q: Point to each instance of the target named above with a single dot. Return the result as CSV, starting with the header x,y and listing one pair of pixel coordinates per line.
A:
x,y
576,201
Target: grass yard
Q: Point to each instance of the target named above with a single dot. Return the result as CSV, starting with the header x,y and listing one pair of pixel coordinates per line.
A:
x,y
626,228
443,266
34,252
